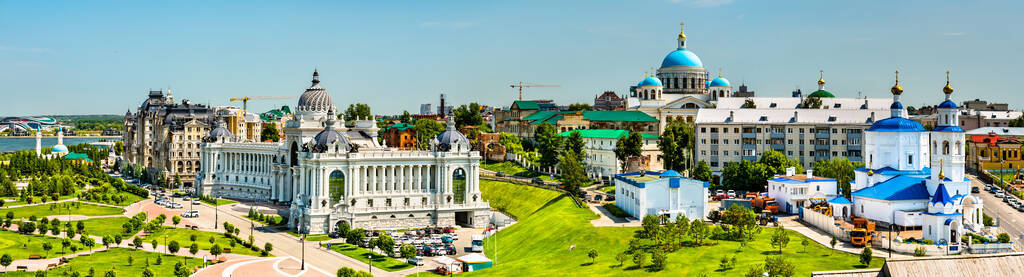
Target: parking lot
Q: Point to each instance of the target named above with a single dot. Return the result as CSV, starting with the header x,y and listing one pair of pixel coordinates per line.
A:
x,y
1008,218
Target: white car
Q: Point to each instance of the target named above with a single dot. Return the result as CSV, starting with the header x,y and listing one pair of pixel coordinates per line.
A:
x,y
195,202
190,213
1000,195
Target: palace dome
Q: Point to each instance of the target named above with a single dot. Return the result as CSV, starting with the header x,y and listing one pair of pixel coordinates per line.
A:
x,y
650,81
719,82
315,98
681,57
896,124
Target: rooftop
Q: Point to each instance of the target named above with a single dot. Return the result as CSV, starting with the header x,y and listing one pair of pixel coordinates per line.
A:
x,y
897,188
604,133
793,102
788,116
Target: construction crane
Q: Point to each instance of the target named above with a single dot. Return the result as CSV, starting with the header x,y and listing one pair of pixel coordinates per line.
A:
x,y
245,100
521,86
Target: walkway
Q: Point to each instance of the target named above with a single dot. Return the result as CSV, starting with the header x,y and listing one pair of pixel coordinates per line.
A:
x,y
606,219
824,239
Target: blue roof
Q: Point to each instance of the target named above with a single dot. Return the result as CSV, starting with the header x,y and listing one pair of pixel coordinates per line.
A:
x,y
674,179
948,221
892,171
719,82
896,188
671,173
896,124
650,81
783,179
941,196
840,200
947,105
681,57
896,105
951,129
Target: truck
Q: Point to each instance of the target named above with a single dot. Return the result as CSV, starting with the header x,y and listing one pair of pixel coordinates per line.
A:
x,y
766,204
863,230
727,203
820,204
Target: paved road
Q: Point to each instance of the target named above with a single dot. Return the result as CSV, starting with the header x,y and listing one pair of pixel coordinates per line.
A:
x,y
1009,219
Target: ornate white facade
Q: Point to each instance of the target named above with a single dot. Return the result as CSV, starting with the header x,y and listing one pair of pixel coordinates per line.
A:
x,y
331,174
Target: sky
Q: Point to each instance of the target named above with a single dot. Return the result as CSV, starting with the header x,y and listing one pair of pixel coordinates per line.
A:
x,y
102,57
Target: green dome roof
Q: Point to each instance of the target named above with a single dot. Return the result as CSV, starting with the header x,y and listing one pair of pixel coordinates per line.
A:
x,y
821,94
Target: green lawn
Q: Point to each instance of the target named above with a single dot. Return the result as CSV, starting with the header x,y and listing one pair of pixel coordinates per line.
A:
x,y
514,169
220,202
117,259
379,261
128,199
15,201
608,189
104,226
12,243
317,237
80,208
183,238
548,225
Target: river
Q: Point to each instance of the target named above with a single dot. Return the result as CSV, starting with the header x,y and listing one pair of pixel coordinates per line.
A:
x,y
29,143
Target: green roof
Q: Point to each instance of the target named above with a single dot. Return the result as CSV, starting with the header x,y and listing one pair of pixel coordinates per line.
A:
x,y
541,115
604,133
636,116
77,156
821,94
400,126
526,105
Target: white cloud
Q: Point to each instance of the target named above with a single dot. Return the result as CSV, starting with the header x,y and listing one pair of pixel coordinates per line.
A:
x,y
954,34
704,3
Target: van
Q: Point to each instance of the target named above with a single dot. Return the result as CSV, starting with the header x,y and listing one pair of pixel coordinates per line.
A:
x,y
478,243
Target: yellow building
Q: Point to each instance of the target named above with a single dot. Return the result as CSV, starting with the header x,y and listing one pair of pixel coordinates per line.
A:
x,y
991,151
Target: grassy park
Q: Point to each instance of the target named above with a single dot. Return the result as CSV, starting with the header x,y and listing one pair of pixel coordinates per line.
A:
x,y
379,261
117,259
76,208
15,201
514,169
183,237
539,245
14,244
104,226
217,201
316,237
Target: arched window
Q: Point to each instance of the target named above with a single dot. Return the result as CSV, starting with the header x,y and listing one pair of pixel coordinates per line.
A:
x,y
459,185
295,154
945,147
336,185
959,149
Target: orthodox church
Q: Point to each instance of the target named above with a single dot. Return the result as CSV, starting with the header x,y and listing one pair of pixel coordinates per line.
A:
x,y
915,177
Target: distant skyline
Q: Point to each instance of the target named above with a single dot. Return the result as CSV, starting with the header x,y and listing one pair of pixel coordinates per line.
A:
x,y
77,57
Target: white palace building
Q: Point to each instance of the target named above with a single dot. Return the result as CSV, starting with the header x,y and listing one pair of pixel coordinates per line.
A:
x,y
331,174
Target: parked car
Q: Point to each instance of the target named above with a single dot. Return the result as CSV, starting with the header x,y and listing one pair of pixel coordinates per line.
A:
x,y
999,195
975,190
500,174
190,213
731,193
195,202
719,192
417,261
537,180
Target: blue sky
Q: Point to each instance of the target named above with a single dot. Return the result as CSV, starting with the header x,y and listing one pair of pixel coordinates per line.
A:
x,y
101,57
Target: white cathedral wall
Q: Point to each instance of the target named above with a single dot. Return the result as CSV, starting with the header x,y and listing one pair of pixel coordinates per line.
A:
x,y
883,211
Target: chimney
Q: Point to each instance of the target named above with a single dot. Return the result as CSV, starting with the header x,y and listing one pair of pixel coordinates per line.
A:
x,y
810,174
796,116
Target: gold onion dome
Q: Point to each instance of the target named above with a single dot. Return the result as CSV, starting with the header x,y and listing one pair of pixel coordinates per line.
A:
x,y
897,89
821,77
682,35
947,89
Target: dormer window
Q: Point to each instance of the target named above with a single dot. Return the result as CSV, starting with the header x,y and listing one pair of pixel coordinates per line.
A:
x,y
831,119
764,118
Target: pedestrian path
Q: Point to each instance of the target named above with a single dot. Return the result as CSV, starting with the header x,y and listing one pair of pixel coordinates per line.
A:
x,y
824,239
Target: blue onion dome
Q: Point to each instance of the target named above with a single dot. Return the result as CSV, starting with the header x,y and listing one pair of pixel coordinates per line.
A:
x,y
329,135
60,148
650,81
219,131
315,98
948,104
451,138
681,57
720,82
896,105
896,124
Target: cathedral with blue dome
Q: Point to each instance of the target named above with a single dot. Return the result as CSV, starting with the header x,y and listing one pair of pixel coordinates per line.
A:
x,y
914,177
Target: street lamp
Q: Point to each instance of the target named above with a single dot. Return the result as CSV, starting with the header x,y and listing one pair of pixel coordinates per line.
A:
x,y
369,261
166,249
215,210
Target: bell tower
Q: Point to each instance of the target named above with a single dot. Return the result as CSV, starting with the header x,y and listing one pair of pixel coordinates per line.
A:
x,y
682,37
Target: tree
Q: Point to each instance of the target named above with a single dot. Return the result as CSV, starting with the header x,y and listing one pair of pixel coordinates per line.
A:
x,y
833,243
778,266
159,259
147,272
865,256
780,238
47,246
580,107
593,255
215,250
408,251
176,219
194,248
357,111
639,259
386,243
405,117
702,172
743,222
107,240
749,104
6,261
427,129
811,103
776,162
510,142
1017,122
658,260
548,144
180,270
468,115
270,132
699,231
840,169
621,257
64,243
629,146
131,260
155,244
173,246
575,144
137,242
804,243
651,224
346,272
270,247
1003,238
118,239
745,175
193,237
573,175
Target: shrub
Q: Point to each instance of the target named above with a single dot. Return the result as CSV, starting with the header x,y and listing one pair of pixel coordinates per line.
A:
x,y
865,256
927,241
1003,238
920,252
658,260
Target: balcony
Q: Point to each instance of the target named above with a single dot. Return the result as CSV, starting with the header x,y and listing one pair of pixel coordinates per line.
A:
x,y
749,135
821,135
749,158
778,135
853,147
749,147
822,147
778,147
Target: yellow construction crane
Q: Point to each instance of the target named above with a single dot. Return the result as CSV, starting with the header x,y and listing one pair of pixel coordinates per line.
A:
x,y
521,86
245,100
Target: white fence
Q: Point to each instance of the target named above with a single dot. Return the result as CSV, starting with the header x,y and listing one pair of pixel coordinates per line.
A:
x,y
825,223
990,248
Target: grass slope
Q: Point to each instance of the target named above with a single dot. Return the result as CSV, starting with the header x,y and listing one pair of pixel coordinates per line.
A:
x,y
202,238
117,259
539,245
379,261
12,243
518,201
104,226
42,210
514,169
